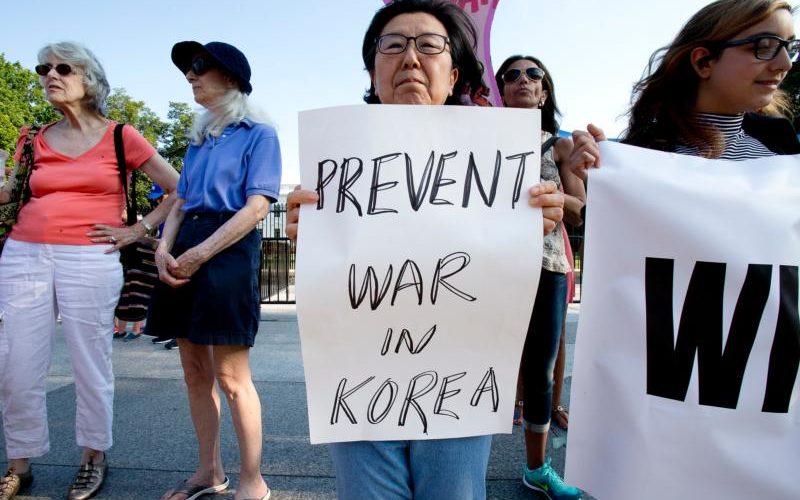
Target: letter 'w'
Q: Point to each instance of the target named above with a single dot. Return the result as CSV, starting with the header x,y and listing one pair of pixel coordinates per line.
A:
x,y
370,284
720,368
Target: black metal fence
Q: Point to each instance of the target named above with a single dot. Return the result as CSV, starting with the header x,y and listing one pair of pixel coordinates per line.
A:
x,y
276,278
576,242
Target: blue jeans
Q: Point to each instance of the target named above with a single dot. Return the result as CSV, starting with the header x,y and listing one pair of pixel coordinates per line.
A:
x,y
541,349
420,470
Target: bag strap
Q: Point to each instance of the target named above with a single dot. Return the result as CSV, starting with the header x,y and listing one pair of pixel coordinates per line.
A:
x,y
130,198
546,145
26,164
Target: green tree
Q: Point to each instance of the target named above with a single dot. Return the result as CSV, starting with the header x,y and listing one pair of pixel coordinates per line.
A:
x,y
123,108
175,139
22,102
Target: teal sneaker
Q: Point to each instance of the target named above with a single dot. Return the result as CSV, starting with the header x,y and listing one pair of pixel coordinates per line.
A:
x,y
547,481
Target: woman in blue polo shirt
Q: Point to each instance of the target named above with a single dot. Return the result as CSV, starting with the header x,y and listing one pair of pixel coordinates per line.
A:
x,y
208,261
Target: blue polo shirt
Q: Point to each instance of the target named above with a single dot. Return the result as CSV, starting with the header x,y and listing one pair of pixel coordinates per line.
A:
x,y
219,174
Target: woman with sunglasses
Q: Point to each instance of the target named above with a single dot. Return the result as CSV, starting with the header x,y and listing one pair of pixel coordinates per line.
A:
x,y
713,91
62,258
208,260
420,52
524,82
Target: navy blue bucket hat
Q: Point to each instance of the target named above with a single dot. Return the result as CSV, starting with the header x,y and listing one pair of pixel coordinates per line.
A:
x,y
229,58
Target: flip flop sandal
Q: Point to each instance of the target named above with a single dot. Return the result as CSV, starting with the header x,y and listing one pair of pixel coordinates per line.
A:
x,y
265,497
560,414
194,491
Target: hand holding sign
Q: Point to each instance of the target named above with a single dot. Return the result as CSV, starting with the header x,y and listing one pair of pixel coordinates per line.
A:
x,y
586,152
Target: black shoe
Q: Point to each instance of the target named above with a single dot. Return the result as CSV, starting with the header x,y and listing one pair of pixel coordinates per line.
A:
x,y
172,344
160,340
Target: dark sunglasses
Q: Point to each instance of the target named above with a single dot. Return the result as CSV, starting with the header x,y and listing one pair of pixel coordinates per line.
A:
x,y
62,69
766,47
201,65
533,74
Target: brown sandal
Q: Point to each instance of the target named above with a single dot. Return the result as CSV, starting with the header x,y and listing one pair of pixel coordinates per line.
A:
x,y
12,483
560,417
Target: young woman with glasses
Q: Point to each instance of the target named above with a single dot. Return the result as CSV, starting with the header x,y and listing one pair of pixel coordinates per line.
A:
x,y
524,82
713,91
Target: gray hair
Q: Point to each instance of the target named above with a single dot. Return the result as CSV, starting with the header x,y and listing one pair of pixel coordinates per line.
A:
x,y
94,76
233,107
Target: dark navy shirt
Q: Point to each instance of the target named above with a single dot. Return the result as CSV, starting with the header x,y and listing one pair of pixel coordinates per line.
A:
x,y
219,174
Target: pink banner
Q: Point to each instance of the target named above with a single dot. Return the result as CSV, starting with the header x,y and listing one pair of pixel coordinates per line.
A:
x,y
482,14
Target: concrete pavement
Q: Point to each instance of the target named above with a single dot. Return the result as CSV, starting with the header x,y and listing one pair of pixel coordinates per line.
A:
x,y
154,438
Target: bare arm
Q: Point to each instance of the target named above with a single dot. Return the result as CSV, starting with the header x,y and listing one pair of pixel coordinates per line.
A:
x,y
5,188
160,172
574,189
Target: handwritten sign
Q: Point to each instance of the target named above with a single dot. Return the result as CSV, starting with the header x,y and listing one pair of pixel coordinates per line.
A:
x,y
417,269
686,364
481,12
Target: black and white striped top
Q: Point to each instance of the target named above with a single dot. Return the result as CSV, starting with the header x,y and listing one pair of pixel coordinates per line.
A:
x,y
738,144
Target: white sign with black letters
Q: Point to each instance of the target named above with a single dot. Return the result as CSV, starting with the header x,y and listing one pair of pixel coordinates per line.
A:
x,y
686,366
417,269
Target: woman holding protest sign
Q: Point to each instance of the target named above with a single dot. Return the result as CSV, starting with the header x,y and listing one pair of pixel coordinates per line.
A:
x,y
62,257
713,91
421,52
524,82
208,260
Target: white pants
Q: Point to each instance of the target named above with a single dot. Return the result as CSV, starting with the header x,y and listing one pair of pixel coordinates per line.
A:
x,y
38,281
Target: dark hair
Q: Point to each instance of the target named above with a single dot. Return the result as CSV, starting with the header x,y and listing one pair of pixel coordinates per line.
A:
x,y
460,31
663,101
550,111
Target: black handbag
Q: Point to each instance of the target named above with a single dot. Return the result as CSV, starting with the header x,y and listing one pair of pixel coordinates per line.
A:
x,y
138,259
21,191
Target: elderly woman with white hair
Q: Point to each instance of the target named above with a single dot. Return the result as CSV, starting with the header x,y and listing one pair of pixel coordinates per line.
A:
x,y
62,257
208,260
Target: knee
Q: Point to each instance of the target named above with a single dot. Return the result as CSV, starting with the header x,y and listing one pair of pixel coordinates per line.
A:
x,y
233,384
196,375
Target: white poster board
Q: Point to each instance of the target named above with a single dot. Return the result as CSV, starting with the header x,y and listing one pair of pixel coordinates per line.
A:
x,y
429,349
685,252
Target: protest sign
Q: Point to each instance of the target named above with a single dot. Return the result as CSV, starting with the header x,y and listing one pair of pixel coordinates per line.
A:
x,y
686,363
417,269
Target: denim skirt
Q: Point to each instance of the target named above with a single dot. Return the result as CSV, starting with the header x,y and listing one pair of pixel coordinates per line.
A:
x,y
220,305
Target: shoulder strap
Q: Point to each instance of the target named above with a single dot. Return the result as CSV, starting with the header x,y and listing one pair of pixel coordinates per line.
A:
x,y
546,145
27,159
130,198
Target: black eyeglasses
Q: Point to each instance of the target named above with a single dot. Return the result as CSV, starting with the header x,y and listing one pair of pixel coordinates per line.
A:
x,y
427,43
62,69
766,47
533,74
201,65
